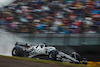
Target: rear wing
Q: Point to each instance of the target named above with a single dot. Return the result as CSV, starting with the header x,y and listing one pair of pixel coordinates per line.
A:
x,y
22,44
19,43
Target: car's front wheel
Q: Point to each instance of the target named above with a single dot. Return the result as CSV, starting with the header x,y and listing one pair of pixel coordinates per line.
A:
x,y
52,55
77,57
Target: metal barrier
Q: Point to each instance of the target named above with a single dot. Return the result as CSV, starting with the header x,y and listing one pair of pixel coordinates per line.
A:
x,y
63,39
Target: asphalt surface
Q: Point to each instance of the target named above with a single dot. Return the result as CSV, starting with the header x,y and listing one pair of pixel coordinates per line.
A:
x,y
8,62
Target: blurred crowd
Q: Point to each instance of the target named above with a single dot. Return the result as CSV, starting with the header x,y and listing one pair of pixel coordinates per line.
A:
x,y
51,16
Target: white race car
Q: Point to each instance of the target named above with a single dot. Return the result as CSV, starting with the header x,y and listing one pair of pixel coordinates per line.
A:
x,y
30,51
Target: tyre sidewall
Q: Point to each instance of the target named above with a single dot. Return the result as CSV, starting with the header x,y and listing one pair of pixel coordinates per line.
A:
x,y
19,52
53,56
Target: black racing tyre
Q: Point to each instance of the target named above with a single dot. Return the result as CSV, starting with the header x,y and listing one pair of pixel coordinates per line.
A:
x,y
17,51
77,57
52,55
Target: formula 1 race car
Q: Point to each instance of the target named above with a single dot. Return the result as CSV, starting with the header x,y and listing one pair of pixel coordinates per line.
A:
x,y
31,51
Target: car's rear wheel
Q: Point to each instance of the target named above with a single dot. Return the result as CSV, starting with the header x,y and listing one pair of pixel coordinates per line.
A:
x,y
17,51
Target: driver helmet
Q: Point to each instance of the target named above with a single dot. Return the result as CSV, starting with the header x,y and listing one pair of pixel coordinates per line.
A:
x,y
28,44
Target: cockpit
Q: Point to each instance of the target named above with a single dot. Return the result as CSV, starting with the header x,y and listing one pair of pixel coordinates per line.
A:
x,y
41,45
